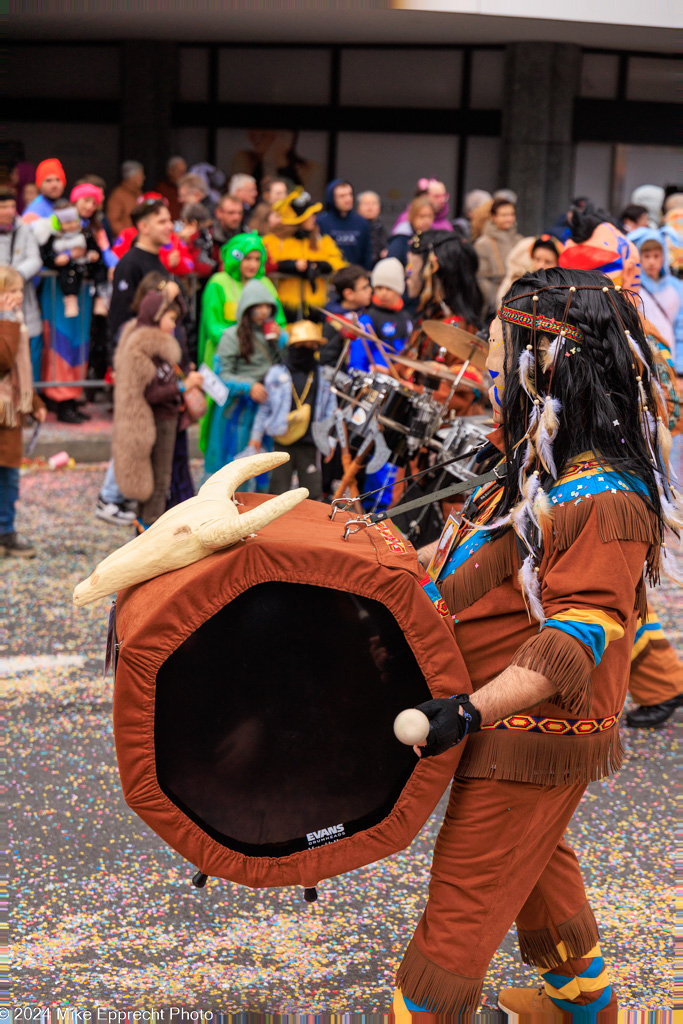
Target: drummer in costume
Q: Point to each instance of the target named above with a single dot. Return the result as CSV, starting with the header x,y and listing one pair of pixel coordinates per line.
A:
x,y
656,682
442,285
545,582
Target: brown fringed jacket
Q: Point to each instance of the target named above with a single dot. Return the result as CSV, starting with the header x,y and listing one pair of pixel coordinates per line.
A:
x,y
592,590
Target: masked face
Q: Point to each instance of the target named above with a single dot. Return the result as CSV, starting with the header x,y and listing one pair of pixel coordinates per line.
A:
x,y
495,364
414,274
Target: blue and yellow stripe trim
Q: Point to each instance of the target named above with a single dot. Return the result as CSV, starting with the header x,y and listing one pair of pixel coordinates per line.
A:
x,y
645,632
592,627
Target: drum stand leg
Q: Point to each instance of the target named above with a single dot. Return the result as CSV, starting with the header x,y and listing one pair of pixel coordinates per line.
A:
x,y
199,880
311,894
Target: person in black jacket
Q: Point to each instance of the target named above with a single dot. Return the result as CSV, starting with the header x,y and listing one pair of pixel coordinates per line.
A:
x,y
152,219
349,230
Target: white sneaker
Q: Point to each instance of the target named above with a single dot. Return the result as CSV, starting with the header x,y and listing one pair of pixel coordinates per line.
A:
x,y
112,513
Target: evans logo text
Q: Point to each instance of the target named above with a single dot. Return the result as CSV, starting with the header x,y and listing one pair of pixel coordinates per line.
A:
x,y
325,835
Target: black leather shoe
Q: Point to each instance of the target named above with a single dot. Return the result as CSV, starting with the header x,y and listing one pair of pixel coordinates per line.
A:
x,y
651,716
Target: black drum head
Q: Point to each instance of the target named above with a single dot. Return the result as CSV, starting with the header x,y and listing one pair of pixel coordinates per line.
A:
x,y
273,721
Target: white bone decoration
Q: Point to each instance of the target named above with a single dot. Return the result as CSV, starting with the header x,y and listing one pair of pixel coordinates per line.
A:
x,y
192,530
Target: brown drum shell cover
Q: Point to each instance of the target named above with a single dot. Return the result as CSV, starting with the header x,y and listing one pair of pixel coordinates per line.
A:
x,y
303,546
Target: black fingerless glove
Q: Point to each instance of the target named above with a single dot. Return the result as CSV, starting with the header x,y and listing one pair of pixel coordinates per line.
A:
x,y
447,726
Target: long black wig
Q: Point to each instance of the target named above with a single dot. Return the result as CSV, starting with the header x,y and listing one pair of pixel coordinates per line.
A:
x,y
455,276
563,397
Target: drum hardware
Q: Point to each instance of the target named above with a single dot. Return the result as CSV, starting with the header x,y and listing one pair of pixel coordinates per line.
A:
x,y
459,343
372,518
353,466
427,369
199,880
364,336
344,504
386,422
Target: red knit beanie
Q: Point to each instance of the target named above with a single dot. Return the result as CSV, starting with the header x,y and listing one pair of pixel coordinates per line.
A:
x,y
46,168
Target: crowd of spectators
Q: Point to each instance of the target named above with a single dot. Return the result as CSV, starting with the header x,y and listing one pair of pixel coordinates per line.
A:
x,y
251,263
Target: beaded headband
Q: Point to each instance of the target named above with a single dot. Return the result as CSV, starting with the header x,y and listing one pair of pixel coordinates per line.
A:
x,y
542,323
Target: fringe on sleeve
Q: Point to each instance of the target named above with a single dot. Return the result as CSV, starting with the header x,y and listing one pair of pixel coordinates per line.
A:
x,y
565,662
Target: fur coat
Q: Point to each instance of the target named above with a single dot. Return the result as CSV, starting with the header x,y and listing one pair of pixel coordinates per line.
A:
x,y
134,427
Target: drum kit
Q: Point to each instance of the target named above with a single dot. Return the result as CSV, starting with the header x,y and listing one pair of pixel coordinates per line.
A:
x,y
384,417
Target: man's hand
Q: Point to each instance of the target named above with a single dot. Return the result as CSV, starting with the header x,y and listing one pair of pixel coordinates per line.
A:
x,y
449,722
173,258
93,256
78,253
301,266
40,415
62,260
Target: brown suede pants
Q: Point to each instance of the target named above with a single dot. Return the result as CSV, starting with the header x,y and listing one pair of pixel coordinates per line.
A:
x,y
499,857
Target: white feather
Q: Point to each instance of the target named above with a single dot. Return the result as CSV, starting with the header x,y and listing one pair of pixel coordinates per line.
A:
x,y
525,370
529,453
671,568
547,432
550,354
671,512
532,589
638,352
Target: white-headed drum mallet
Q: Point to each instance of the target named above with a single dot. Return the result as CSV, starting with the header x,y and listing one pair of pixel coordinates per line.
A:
x,y
411,727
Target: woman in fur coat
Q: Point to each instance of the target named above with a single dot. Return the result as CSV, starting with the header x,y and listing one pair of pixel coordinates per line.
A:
x,y
147,401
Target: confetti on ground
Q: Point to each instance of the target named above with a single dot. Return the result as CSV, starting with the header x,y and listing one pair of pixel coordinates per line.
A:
x,y
103,913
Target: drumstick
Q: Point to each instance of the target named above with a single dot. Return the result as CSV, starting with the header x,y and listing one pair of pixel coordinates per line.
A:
x,y
363,334
411,726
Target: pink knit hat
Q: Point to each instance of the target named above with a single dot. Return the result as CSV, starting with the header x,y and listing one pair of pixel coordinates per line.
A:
x,y
86,191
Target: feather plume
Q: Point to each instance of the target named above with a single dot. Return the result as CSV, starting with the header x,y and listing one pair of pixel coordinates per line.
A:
x,y
526,372
662,404
534,417
547,432
541,510
665,442
638,353
527,462
551,353
531,588
497,524
518,514
671,567
672,514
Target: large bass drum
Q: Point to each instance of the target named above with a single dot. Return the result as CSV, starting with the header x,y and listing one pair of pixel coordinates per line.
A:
x,y
255,693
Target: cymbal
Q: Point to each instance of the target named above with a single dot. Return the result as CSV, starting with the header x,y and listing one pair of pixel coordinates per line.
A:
x,y
458,342
430,369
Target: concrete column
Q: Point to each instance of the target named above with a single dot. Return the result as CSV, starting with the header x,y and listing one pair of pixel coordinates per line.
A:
x,y
149,76
537,160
